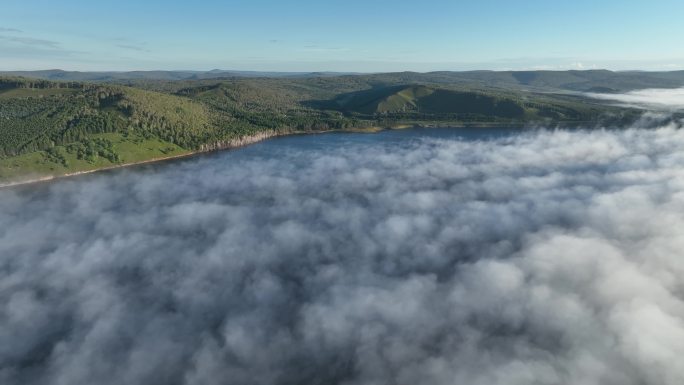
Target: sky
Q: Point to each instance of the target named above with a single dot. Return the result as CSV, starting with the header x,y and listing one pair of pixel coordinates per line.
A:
x,y
346,36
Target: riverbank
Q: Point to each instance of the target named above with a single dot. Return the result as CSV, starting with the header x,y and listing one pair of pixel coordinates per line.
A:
x,y
251,139
218,146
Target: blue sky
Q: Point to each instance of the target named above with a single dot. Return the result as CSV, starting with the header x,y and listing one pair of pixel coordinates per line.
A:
x,y
351,35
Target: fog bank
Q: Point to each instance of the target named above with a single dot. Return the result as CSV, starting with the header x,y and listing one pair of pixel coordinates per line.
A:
x,y
649,99
550,257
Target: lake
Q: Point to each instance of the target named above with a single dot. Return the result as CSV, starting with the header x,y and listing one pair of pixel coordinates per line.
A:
x,y
408,256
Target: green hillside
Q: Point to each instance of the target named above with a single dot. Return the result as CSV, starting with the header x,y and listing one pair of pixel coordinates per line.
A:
x,y
53,128
382,100
36,116
58,127
465,105
431,100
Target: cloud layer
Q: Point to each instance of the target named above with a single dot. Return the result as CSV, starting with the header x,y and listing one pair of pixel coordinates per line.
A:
x,y
550,257
650,99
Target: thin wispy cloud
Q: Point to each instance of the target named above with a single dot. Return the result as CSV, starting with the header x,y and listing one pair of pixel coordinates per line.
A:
x,y
2,29
130,44
323,49
133,47
29,41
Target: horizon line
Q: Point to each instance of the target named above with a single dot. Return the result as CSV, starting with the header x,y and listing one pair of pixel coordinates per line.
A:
x,y
338,72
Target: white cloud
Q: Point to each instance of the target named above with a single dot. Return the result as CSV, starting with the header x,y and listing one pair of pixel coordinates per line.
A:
x,y
549,257
653,98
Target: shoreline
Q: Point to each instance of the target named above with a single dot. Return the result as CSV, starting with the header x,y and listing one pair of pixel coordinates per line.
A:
x,y
47,178
204,149
256,138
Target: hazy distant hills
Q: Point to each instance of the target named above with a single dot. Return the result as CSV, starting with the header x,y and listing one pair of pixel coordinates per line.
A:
x,y
588,80
112,76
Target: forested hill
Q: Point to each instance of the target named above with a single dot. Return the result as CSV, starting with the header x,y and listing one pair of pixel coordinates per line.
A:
x,y
585,80
58,127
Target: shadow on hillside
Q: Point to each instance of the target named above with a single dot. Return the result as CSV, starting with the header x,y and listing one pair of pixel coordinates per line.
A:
x,y
352,101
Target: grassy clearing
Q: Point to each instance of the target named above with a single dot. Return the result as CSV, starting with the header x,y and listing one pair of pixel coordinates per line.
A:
x,y
131,149
136,148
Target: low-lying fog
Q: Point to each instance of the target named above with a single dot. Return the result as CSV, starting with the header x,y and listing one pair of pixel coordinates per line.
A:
x,y
650,99
546,257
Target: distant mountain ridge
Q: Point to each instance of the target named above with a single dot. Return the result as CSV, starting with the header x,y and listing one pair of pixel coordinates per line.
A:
x,y
110,76
571,80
